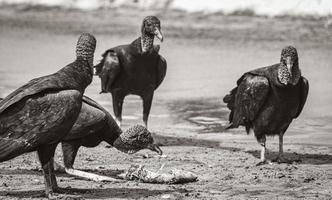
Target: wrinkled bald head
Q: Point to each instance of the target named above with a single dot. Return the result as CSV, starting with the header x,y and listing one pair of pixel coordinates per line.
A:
x,y
151,26
136,138
289,57
86,46
289,73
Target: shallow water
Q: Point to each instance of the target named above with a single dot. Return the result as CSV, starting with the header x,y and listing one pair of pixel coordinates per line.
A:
x,y
199,74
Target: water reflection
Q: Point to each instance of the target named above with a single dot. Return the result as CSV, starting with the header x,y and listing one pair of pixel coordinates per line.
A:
x,y
208,114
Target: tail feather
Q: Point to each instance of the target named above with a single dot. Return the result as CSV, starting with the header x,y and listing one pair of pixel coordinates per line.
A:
x,y
99,67
230,126
229,99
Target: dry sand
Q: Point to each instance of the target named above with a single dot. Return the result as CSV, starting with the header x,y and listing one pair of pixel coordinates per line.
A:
x,y
206,54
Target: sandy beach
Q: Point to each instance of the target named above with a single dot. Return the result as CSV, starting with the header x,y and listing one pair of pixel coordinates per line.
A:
x,y
205,54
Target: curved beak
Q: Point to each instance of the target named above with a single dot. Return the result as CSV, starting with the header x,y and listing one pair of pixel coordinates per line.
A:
x,y
289,65
104,84
158,34
155,148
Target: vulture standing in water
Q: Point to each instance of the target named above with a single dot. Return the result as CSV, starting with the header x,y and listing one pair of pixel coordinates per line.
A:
x,y
94,125
266,100
135,68
36,116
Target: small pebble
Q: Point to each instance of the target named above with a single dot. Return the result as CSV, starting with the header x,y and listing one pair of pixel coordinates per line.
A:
x,y
166,196
100,167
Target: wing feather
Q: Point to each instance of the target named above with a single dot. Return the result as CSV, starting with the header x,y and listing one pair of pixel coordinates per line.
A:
x,y
48,83
249,98
39,119
109,71
304,87
161,70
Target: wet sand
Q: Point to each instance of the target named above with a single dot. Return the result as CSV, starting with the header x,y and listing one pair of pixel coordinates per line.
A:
x,y
205,54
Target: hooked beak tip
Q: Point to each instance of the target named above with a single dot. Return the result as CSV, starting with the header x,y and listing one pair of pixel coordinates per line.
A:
x,y
156,149
159,35
289,68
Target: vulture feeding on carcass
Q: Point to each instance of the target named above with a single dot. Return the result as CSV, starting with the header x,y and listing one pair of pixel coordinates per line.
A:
x,y
94,125
135,68
266,100
36,116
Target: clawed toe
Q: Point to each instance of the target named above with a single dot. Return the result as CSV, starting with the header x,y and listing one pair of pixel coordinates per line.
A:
x,y
58,196
281,159
264,163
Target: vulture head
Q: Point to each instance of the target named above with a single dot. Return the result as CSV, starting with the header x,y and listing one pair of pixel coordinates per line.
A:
x,y
289,71
85,47
151,27
134,139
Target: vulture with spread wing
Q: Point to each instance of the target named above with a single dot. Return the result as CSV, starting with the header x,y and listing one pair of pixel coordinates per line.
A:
x,y
36,116
136,68
266,100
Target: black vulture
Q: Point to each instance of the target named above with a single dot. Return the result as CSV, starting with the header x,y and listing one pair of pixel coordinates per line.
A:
x,y
94,125
135,68
36,116
266,100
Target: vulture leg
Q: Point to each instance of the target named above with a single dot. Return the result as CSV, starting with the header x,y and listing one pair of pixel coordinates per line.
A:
x,y
262,142
69,154
147,101
281,158
281,143
46,157
117,106
46,154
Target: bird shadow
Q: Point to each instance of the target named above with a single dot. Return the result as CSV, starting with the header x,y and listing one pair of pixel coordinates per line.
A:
x,y
105,172
182,141
59,173
212,115
88,193
313,159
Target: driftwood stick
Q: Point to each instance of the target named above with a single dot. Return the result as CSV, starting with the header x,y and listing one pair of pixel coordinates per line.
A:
x,y
91,176
83,174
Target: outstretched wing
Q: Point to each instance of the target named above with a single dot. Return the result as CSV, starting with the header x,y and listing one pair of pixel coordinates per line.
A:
x,y
37,120
246,100
304,87
161,70
51,82
32,87
108,70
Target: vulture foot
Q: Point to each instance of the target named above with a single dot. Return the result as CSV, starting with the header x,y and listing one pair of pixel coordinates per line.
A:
x,y
59,168
282,159
58,196
264,163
